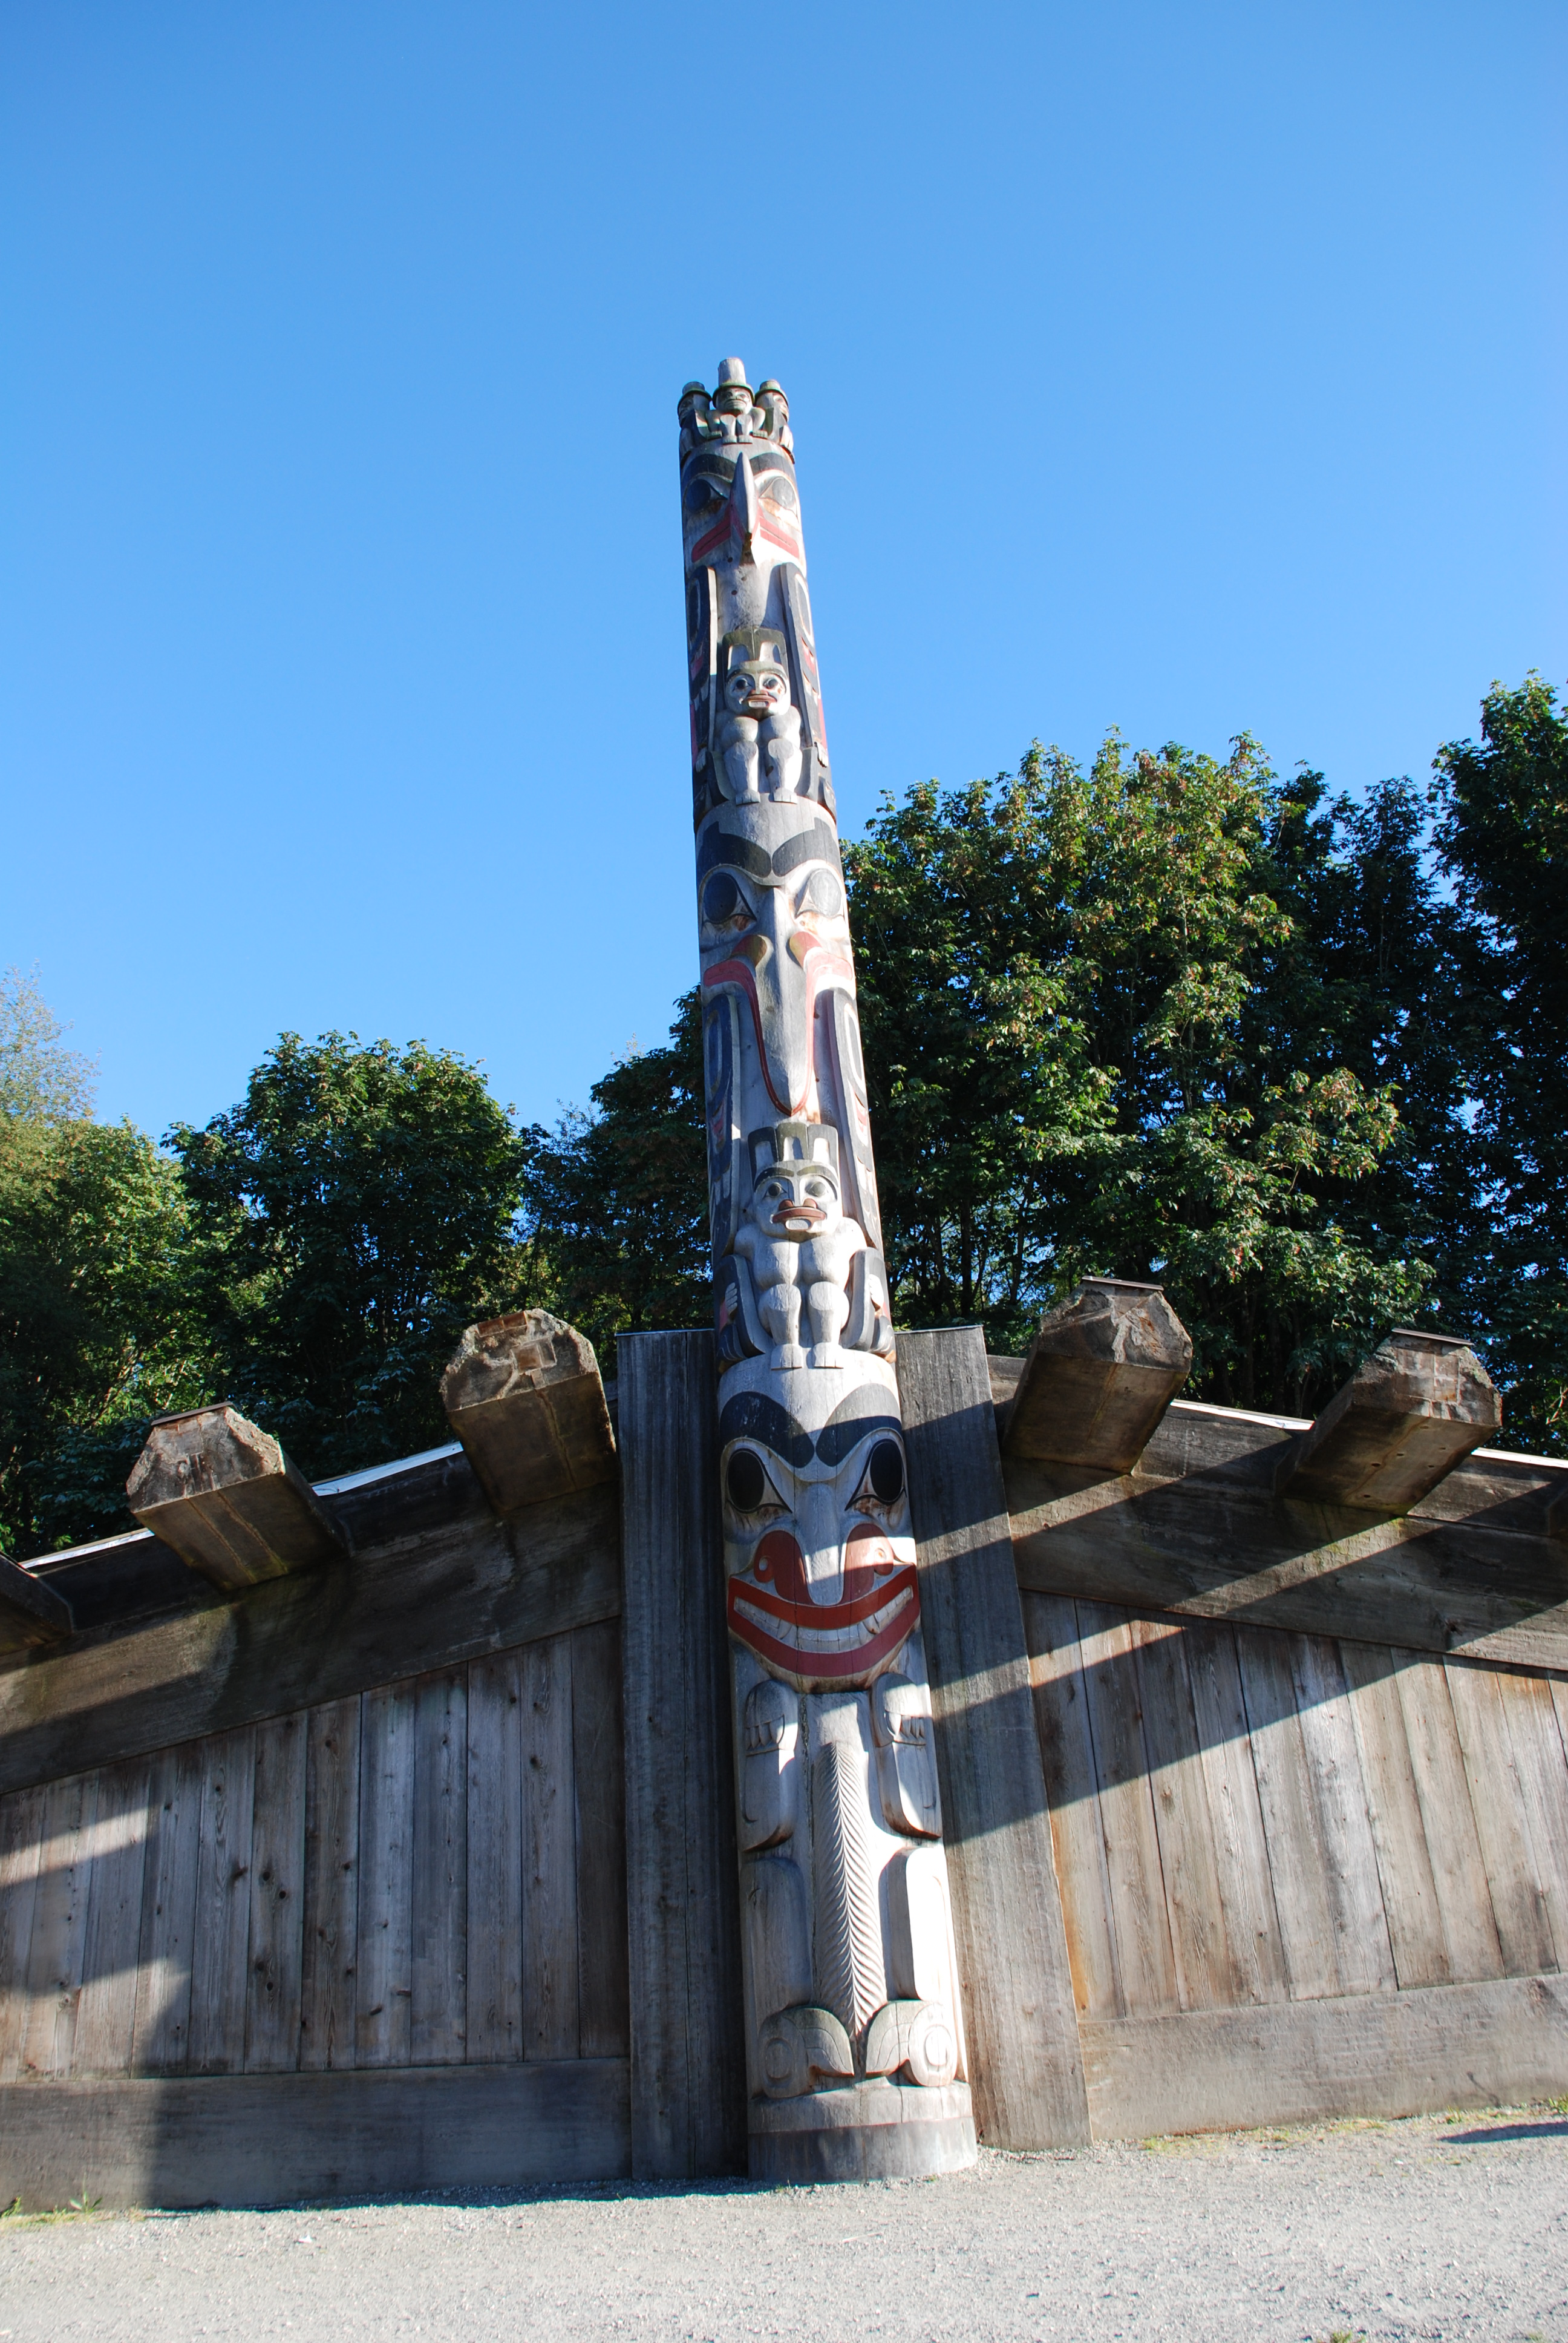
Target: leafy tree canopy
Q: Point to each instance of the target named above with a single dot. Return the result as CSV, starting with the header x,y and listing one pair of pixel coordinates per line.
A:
x,y
348,1221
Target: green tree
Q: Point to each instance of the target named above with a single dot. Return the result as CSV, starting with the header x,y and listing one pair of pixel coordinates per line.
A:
x,y
617,1198
348,1219
1502,804
93,1338
1074,988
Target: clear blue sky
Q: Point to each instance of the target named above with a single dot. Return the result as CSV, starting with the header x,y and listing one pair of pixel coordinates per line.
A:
x,y
1183,368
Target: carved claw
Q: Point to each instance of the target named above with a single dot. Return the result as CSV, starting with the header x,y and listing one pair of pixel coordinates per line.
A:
x,y
801,2049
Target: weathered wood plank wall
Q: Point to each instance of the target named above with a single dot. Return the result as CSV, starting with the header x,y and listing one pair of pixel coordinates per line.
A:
x,y
1246,1821
429,1873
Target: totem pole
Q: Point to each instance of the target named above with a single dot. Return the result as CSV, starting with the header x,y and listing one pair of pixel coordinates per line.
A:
x,y
854,2047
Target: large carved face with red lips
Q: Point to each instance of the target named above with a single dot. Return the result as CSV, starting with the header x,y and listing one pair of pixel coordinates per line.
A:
x,y
822,1588
774,930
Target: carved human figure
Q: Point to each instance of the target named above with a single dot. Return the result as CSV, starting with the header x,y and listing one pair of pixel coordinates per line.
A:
x,y
758,731
798,1245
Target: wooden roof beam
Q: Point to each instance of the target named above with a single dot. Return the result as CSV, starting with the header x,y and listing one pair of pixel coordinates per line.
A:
x,y
221,1493
1407,1416
524,1395
1100,1373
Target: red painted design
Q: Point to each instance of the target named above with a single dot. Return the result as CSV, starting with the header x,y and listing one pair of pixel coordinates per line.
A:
x,y
820,962
871,1581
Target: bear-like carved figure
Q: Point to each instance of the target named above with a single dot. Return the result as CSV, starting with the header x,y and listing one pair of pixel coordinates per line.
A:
x,y
799,1247
758,727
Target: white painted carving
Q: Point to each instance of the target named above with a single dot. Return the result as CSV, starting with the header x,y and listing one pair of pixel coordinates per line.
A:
x,y
770,1768
915,2037
799,1247
802,2049
906,1759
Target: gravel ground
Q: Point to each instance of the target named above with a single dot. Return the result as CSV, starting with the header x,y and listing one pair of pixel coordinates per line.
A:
x,y
1454,2227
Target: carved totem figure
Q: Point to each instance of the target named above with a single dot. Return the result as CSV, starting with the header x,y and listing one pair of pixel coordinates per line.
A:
x,y
855,2043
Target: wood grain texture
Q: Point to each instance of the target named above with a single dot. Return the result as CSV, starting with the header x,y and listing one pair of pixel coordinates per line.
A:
x,y
264,2139
1542,1777
1013,1964
1497,1801
385,1951
1447,1818
1383,2054
550,1851
1242,1877
438,1894
161,2041
21,1849
106,2015
419,1602
1213,1542
1205,1976
688,2063
277,1897
1363,1958
1078,1840
60,1941
220,1935
600,1770
1145,1963
1410,1897
495,1995
1296,1860
330,1949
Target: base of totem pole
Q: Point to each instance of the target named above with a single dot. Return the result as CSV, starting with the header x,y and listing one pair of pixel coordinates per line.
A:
x,y
865,2131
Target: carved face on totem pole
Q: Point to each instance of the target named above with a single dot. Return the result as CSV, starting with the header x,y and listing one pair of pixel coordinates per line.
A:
x,y
817,1546
848,1964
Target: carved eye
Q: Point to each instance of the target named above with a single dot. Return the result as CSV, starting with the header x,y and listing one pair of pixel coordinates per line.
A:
x,y
822,894
723,902
703,492
778,490
746,1483
774,1188
885,1473
818,1187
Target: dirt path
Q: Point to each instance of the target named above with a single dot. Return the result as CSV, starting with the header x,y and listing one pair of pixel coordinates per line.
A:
x,y
1443,2228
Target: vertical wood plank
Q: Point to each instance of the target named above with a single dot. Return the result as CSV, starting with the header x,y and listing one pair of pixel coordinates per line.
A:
x,y
59,1926
329,1953
105,2017
1026,2069
1362,1954
687,2062
385,1981
1296,1861
277,1896
21,1839
598,1766
220,1944
1542,1775
160,2043
1204,1975
550,1851
495,1988
1145,1962
1077,1837
440,1876
1497,1800
1403,1860
1447,1818
1244,1880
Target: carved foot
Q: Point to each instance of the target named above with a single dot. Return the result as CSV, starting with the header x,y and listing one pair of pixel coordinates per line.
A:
x,y
801,2049
824,1354
916,2036
787,1354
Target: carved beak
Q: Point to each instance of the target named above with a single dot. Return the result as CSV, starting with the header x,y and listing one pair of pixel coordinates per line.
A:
x,y
743,506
